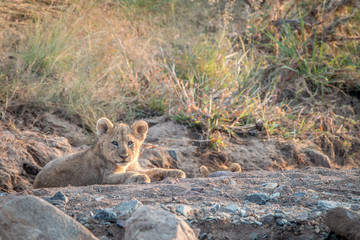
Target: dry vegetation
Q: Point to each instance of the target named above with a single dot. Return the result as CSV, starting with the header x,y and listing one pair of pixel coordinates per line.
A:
x,y
289,69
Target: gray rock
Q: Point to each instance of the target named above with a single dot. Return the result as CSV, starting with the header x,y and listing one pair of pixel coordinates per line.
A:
x,y
253,236
30,217
185,210
302,217
344,222
299,194
120,223
125,209
58,199
220,174
281,222
355,207
268,219
275,195
214,207
3,193
105,216
260,198
330,204
318,158
270,186
157,223
284,190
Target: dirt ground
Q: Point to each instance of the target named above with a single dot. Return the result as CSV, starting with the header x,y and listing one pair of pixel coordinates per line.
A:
x,y
301,181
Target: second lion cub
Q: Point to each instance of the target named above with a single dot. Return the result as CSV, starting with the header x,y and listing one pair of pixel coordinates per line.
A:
x,y
113,160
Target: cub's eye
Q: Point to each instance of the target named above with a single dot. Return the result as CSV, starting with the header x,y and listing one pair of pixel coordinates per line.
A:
x,y
130,143
115,143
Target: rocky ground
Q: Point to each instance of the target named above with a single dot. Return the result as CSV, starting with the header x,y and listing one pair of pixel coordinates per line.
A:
x,y
285,203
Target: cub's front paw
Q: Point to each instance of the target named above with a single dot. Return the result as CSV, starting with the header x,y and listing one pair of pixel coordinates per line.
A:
x,y
175,173
139,178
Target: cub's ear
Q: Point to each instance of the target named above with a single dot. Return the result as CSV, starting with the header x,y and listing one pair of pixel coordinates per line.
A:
x,y
103,126
140,128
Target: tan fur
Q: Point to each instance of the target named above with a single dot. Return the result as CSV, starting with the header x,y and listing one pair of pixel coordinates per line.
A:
x,y
112,160
234,167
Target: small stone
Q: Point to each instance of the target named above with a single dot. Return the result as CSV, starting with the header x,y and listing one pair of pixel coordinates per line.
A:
x,y
58,199
328,204
299,194
302,217
253,236
125,209
245,212
203,236
355,207
105,216
3,193
274,195
220,174
260,198
231,208
120,223
268,219
344,222
214,207
318,158
172,153
185,210
271,186
103,238
281,222
258,223
306,238
284,190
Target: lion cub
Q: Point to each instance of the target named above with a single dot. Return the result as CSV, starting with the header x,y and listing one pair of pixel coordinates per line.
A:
x,y
112,160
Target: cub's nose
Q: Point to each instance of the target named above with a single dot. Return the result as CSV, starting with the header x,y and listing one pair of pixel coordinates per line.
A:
x,y
123,157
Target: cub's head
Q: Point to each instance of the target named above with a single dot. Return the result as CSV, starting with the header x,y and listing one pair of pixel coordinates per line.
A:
x,y
120,143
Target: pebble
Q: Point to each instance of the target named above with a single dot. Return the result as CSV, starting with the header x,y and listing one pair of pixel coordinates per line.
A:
x,y
3,193
260,198
120,223
328,204
284,190
299,194
268,219
274,195
203,236
185,210
253,236
270,186
105,216
214,207
59,198
281,222
125,209
231,208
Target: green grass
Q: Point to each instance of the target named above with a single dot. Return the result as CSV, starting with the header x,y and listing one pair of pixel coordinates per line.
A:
x,y
219,66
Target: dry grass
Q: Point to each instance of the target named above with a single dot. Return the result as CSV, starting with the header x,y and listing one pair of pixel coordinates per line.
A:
x,y
289,70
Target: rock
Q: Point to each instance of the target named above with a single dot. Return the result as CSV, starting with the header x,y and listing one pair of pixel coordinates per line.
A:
x,y
3,193
281,222
157,223
231,208
253,236
185,210
125,209
318,158
284,190
58,199
299,194
270,186
260,198
268,219
344,222
302,217
120,223
275,195
105,216
220,174
203,236
331,204
31,217
214,207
